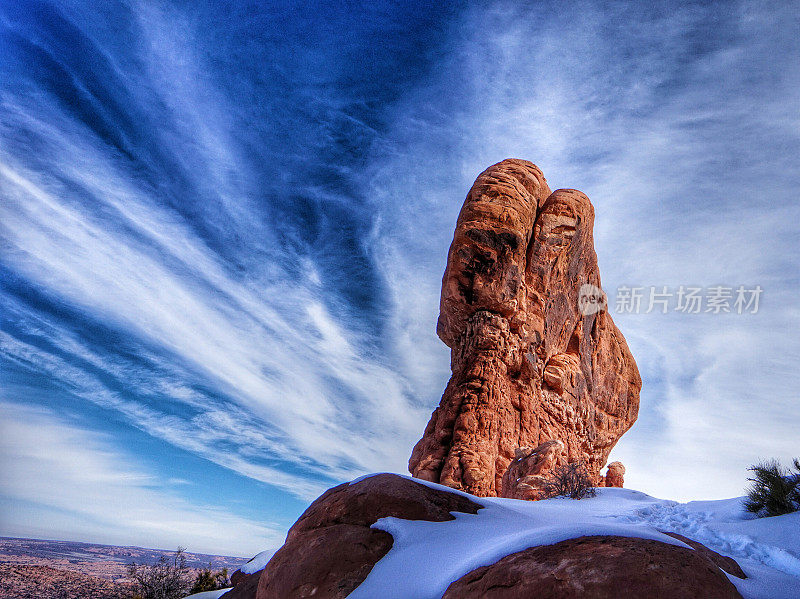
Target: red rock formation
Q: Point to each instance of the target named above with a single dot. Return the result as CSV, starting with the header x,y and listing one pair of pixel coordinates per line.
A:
x,y
527,475
331,548
245,586
528,364
599,567
615,475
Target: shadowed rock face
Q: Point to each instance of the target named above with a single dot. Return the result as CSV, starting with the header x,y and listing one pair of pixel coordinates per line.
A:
x,y
528,365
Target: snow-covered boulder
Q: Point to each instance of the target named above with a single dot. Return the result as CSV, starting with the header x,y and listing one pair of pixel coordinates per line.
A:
x,y
332,547
396,537
598,567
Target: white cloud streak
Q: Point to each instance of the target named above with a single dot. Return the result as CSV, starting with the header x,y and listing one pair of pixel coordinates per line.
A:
x,y
273,349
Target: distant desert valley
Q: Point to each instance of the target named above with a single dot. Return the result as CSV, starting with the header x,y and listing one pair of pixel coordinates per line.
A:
x,y
42,569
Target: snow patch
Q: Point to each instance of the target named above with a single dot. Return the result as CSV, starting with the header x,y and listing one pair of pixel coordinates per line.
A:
x,y
427,556
209,594
257,562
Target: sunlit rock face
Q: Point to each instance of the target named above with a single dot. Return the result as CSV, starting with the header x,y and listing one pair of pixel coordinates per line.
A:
x,y
615,476
528,474
535,355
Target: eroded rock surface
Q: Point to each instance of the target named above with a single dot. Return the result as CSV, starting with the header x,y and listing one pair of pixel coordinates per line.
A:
x,y
599,567
615,475
528,474
528,365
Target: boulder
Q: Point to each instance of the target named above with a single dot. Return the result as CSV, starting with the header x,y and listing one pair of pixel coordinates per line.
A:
x,y
535,355
598,567
331,548
244,585
615,475
527,475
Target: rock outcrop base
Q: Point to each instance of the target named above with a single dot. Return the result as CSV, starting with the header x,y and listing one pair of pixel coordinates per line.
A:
x,y
527,476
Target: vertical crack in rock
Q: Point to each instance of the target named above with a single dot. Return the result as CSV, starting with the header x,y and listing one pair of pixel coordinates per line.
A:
x,y
528,365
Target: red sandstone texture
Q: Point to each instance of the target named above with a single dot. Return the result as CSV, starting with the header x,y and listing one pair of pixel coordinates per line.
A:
x,y
528,364
245,586
599,567
527,476
615,475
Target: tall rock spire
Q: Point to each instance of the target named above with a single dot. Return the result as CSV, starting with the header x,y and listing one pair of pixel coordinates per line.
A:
x,y
535,355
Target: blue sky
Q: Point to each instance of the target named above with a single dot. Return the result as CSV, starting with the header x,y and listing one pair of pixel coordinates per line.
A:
x,y
223,228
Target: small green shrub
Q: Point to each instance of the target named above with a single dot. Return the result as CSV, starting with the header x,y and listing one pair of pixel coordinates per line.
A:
x,y
204,582
775,490
210,581
166,579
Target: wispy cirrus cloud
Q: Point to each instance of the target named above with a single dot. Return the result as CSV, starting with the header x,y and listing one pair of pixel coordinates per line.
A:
x,y
682,132
239,324
239,343
230,235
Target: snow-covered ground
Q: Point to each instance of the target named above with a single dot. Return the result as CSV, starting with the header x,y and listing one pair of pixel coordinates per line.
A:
x,y
257,562
427,556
